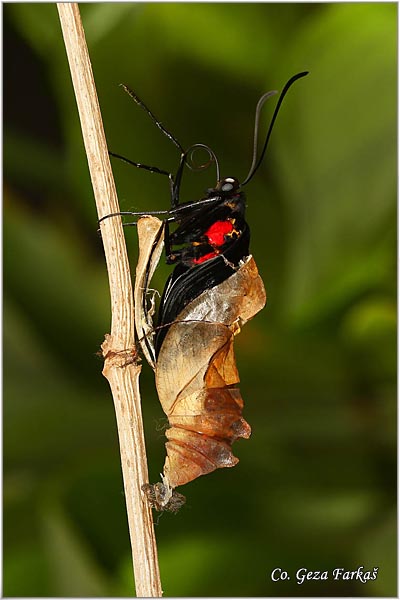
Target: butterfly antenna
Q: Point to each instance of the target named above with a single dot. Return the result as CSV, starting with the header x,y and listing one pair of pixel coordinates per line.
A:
x,y
160,126
255,164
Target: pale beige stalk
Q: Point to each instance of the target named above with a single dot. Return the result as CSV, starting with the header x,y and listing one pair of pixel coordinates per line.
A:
x,y
120,366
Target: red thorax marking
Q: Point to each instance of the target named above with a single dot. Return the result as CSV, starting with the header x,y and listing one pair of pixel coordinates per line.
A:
x,y
217,232
216,237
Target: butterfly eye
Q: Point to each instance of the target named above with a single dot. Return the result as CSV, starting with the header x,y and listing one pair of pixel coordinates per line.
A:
x,y
228,185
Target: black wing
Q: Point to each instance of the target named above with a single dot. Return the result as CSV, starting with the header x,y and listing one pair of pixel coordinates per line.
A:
x,y
186,283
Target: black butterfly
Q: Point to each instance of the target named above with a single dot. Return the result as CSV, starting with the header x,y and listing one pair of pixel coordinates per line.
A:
x,y
211,236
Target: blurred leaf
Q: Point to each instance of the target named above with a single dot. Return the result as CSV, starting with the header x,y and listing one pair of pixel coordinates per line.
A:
x,y
337,156
371,320
41,28
340,510
74,570
197,28
100,19
46,407
54,284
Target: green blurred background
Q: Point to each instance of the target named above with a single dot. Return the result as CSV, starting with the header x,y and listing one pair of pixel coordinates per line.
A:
x,y
316,482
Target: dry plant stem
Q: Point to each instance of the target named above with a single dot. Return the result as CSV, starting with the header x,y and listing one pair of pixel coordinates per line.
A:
x,y
120,366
